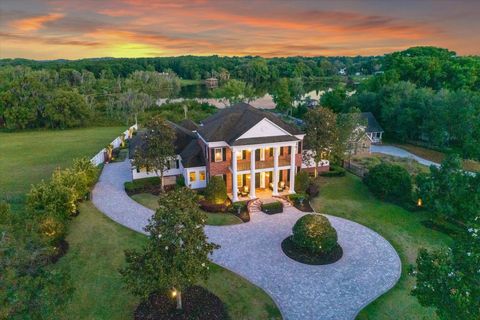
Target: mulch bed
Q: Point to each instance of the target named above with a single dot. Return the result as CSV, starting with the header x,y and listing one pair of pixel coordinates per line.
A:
x,y
244,215
198,304
303,256
60,251
305,208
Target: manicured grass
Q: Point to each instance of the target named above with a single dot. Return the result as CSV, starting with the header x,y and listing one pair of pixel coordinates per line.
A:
x,y
349,198
96,253
213,219
28,157
436,156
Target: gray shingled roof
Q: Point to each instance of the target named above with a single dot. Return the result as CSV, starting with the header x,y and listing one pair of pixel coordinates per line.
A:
x,y
189,124
192,155
372,124
230,123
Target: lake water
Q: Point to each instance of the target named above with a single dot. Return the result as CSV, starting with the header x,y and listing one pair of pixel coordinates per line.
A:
x,y
264,100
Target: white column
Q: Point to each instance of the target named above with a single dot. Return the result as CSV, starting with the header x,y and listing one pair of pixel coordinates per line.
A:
x,y
252,174
234,176
275,171
291,189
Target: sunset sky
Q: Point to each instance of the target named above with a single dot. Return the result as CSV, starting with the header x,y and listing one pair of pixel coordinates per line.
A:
x,y
72,29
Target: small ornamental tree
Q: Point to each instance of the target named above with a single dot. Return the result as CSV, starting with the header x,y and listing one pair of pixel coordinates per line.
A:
x,y
157,148
449,280
176,254
390,182
321,135
216,191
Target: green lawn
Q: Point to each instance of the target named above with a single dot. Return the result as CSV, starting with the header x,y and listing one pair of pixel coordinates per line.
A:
x,y
349,198
96,254
28,157
214,219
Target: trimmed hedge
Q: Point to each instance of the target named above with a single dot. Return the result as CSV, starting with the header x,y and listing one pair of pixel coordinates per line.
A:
x,y
297,198
314,233
272,207
334,171
139,185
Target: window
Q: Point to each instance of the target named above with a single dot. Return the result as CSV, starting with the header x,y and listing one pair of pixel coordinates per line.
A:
x,y
202,175
240,155
240,180
192,176
173,164
218,154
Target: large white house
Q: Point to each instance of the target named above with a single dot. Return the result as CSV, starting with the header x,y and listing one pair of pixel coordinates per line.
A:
x,y
253,150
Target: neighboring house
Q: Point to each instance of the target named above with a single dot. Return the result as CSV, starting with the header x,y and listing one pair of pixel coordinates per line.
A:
x,y
373,134
252,150
373,130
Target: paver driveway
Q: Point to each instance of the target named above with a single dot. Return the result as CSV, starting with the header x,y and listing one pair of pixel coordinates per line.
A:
x,y
369,266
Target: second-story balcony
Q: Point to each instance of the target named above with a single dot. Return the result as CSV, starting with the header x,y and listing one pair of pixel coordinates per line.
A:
x,y
243,165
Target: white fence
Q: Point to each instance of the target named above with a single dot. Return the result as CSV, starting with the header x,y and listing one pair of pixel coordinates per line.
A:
x,y
99,158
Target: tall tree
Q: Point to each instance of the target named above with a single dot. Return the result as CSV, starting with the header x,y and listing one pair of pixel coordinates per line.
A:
x,y
351,129
321,135
157,148
176,254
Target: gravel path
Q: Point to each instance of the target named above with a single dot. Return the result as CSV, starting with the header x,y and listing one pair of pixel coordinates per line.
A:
x,y
369,267
399,152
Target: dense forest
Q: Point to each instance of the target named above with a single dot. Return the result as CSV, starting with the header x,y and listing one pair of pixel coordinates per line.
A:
x,y
249,69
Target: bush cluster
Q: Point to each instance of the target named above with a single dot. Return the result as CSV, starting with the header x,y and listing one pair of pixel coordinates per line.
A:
x,y
313,232
302,181
390,182
51,203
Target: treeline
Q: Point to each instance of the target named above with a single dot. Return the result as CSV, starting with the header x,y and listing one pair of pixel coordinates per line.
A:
x,y
250,69
425,95
67,98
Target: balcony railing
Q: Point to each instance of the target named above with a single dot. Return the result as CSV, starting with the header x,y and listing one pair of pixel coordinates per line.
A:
x,y
243,165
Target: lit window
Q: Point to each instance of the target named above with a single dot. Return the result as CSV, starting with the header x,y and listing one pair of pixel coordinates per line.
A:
x,y
202,175
192,176
218,155
240,180
239,155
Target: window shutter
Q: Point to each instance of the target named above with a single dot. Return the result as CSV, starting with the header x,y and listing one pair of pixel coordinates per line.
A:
x,y
212,153
177,164
224,154
300,147
244,154
289,150
271,152
257,155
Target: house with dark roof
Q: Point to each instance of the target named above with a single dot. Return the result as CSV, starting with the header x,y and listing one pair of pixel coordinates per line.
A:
x,y
251,149
373,130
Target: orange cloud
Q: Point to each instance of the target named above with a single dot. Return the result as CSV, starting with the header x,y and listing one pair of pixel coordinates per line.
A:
x,y
35,23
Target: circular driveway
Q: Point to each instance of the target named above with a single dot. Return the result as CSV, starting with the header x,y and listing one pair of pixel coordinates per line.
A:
x,y
369,266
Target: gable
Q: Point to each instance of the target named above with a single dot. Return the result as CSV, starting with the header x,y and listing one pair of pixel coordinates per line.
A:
x,y
264,128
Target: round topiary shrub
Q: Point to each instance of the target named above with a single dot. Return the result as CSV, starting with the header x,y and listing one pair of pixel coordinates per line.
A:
x,y
314,233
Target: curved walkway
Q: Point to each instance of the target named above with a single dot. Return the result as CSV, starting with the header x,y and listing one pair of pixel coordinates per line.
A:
x,y
369,267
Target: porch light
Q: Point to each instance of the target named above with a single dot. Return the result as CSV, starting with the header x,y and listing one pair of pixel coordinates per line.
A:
x,y
419,202
174,293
